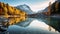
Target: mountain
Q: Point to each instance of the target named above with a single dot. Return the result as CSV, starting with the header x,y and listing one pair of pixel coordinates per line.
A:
x,y
55,13
25,8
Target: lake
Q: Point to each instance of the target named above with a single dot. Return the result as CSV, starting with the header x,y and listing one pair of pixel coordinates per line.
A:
x,y
34,26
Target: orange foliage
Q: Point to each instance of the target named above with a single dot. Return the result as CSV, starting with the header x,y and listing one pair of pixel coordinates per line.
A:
x,y
12,13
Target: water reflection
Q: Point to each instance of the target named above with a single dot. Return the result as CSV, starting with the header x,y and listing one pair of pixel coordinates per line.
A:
x,y
34,26
51,21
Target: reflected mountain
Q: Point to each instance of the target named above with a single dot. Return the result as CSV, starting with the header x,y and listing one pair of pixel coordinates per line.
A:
x,y
26,22
20,30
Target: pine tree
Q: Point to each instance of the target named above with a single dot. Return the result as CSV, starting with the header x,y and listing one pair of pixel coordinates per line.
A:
x,y
7,6
3,5
56,6
49,9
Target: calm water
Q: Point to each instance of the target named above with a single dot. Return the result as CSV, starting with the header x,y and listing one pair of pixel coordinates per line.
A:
x,y
33,26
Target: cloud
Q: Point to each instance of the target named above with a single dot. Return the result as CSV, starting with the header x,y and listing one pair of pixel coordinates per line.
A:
x,y
40,5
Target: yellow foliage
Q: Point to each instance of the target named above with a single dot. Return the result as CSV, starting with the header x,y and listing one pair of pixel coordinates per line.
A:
x,y
13,14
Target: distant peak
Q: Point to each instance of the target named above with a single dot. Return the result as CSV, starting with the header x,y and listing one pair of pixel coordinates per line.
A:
x,y
24,5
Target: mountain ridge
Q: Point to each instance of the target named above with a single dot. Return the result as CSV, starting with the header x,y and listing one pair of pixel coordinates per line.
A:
x,y
25,8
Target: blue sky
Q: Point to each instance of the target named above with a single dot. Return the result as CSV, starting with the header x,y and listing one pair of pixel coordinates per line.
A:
x,y
17,2
35,5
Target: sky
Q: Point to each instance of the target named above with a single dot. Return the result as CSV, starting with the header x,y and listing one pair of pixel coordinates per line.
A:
x,y
35,5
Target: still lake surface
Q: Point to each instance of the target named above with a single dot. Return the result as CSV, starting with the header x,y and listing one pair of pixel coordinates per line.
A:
x,y
33,26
